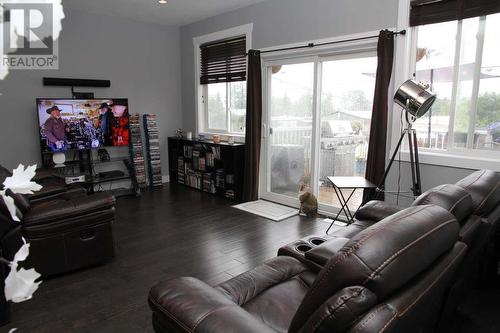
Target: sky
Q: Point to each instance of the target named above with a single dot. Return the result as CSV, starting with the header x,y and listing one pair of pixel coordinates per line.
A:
x,y
338,77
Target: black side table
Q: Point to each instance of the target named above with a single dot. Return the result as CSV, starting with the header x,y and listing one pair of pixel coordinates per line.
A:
x,y
342,183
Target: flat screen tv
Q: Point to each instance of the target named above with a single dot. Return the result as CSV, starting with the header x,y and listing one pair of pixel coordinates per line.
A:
x,y
66,124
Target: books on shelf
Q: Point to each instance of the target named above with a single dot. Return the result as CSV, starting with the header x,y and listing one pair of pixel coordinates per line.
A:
x,y
181,171
209,159
229,194
220,179
210,168
194,179
202,164
209,183
188,151
196,159
216,152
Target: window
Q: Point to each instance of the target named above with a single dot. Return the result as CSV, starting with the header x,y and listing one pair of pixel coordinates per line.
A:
x,y
221,80
461,62
225,106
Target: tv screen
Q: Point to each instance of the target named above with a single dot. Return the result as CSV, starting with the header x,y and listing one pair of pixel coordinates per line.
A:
x,y
66,124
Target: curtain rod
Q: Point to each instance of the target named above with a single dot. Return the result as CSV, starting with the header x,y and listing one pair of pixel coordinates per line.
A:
x,y
311,45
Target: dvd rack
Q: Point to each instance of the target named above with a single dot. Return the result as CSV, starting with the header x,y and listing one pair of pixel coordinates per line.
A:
x,y
153,150
136,152
207,166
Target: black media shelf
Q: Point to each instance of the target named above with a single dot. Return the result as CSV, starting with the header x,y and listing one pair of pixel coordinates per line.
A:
x,y
83,162
215,168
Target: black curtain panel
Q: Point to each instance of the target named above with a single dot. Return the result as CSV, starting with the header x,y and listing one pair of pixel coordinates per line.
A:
x,y
253,127
375,164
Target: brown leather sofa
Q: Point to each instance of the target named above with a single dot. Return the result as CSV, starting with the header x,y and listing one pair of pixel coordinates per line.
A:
x,y
390,277
474,201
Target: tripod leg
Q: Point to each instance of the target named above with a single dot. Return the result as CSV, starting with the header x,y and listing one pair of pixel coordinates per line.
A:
x,y
418,185
396,150
412,162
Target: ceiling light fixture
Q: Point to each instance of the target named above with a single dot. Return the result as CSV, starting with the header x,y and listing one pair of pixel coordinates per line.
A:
x,y
162,1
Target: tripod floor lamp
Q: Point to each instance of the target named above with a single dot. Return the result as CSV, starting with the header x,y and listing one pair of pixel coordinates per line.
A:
x,y
416,100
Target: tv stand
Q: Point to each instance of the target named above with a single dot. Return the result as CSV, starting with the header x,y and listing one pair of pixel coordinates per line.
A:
x,y
84,163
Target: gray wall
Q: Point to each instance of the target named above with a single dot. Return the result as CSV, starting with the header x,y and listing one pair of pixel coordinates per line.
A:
x,y
432,175
281,22
141,60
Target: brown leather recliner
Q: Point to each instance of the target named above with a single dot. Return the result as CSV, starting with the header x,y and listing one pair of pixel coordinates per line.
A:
x,y
66,232
389,277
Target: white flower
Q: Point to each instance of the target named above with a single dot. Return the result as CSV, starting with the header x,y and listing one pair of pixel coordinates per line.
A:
x,y
20,181
20,284
11,206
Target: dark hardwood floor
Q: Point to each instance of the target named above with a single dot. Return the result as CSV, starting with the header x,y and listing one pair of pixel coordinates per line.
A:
x,y
165,233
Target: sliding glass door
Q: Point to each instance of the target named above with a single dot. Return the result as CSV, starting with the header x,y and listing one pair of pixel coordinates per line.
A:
x,y
347,89
290,128
317,123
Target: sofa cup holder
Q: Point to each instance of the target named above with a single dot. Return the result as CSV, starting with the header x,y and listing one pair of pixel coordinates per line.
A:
x,y
303,248
317,241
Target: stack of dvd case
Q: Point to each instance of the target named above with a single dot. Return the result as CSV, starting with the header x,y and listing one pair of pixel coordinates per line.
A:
x,y
209,183
220,179
153,150
210,161
188,151
181,171
136,151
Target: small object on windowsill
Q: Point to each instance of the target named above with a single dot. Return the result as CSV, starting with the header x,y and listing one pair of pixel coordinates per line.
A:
x,y
201,137
230,140
179,133
189,135
216,139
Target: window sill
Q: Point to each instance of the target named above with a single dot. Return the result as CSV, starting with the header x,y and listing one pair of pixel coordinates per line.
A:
x,y
238,137
454,160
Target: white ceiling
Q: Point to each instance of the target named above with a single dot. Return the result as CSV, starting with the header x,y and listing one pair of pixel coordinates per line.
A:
x,y
174,13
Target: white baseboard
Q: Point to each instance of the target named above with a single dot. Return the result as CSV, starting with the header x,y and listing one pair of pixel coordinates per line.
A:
x,y
165,179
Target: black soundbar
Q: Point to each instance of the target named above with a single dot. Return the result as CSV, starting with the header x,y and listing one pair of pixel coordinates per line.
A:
x,y
67,82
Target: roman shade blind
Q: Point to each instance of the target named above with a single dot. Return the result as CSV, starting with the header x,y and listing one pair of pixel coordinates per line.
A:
x,y
223,61
436,11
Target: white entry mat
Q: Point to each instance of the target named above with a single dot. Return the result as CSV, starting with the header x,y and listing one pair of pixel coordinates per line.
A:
x,y
268,210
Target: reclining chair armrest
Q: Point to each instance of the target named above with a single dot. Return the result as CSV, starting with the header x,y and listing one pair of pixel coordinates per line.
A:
x,y
324,252
78,205
52,192
376,211
190,305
